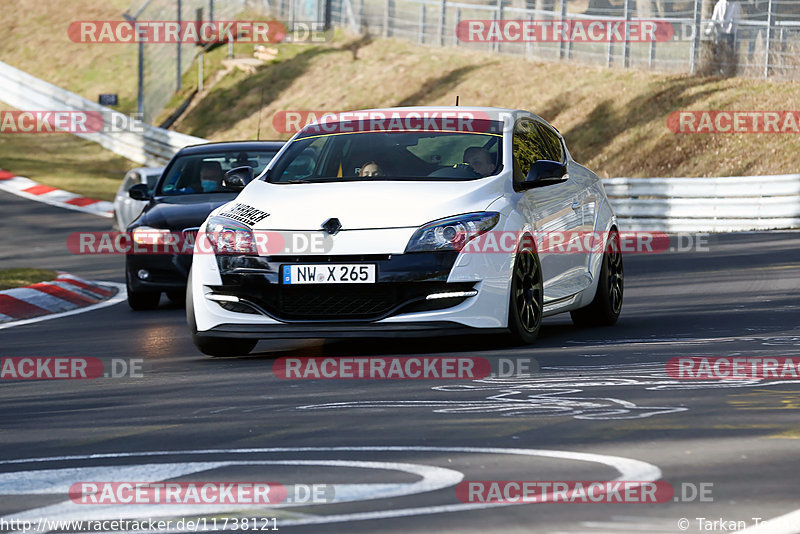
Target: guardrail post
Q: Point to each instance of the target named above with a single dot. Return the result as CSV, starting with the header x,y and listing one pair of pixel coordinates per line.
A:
x,y
609,53
626,54
458,21
528,43
768,44
200,72
562,50
178,58
499,17
652,58
386,18
695,48
442,20
422,24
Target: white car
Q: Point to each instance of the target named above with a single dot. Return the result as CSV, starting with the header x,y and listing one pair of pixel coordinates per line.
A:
x,y
407,221
127,209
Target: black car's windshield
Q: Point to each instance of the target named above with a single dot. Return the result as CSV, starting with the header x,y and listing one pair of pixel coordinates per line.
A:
x,y
202,173
390,155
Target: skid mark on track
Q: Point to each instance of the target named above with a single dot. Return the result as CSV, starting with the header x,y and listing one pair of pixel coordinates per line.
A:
x,y
557,391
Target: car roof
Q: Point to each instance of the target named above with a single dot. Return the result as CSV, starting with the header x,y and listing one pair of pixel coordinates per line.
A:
x,y
232,146
506,115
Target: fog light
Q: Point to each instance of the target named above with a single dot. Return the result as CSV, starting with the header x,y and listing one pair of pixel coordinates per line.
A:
x,y
452,295
143,274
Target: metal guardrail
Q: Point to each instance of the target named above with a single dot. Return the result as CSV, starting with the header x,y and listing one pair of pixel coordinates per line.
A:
x,y
141,142
706,204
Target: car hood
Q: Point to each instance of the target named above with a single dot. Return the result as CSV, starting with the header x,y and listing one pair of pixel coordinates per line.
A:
x,y
362,205
177,213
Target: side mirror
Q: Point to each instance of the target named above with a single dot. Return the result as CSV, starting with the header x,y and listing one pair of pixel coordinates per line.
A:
x,y
545,172
236,179
139,192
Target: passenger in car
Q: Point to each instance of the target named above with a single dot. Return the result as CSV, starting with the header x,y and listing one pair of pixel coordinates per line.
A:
x,y
480,160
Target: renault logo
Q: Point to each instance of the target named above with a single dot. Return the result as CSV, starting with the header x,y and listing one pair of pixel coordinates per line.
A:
x,y
332,226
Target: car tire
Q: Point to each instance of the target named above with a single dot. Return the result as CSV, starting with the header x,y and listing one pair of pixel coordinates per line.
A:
x,y
176,296
140,301
606,306
526,299
218,347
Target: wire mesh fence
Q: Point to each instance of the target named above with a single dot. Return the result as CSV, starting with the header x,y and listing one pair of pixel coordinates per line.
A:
x,y
163,64
763,39
759,38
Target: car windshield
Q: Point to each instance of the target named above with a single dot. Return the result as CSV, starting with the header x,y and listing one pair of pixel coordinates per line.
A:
x,y
203,173
389,155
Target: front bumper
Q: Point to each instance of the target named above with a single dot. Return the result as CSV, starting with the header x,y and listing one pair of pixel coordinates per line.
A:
x,y
403,283
395,305
167,272
346,330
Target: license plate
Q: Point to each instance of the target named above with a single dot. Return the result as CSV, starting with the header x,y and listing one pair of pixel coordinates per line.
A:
x,y
326,273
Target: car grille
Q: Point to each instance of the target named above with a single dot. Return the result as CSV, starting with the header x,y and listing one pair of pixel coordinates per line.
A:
x,y
345,301
355,301
190,235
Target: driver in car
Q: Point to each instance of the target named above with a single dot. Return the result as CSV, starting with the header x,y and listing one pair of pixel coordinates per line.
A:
x,y
480,160
370,168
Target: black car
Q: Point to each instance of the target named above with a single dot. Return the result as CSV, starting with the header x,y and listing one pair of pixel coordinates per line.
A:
x,y
191,186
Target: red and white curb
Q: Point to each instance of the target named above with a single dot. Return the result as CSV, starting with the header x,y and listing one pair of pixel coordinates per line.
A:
x,y
25,187
66,295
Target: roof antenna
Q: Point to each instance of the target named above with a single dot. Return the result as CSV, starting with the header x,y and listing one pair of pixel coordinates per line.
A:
x,y
456,100
260,108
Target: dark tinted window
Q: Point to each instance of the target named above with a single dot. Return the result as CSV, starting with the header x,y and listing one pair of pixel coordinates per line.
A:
x,y
203,173
551,144
534,141
527,148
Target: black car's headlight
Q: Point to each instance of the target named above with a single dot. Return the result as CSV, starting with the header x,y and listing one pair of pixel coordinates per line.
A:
x,y
452,233
230,237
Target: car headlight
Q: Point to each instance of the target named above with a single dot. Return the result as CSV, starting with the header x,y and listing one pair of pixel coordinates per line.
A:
x,y
452,233
230,237
145,235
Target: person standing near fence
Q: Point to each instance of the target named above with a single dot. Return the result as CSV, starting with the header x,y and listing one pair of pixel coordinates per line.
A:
x,y
724,22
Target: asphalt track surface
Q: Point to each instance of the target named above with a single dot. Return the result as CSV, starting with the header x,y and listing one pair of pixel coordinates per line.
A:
x,y
599,391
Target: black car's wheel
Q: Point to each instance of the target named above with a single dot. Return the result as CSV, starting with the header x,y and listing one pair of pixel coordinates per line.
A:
x,y
141,300
527,295
218,347
176,296
606,306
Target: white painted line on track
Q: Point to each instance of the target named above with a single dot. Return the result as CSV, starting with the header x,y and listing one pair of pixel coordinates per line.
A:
x,y
629,469
122,294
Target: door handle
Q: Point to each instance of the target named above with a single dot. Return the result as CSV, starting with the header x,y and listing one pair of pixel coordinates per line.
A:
x,y
577,205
